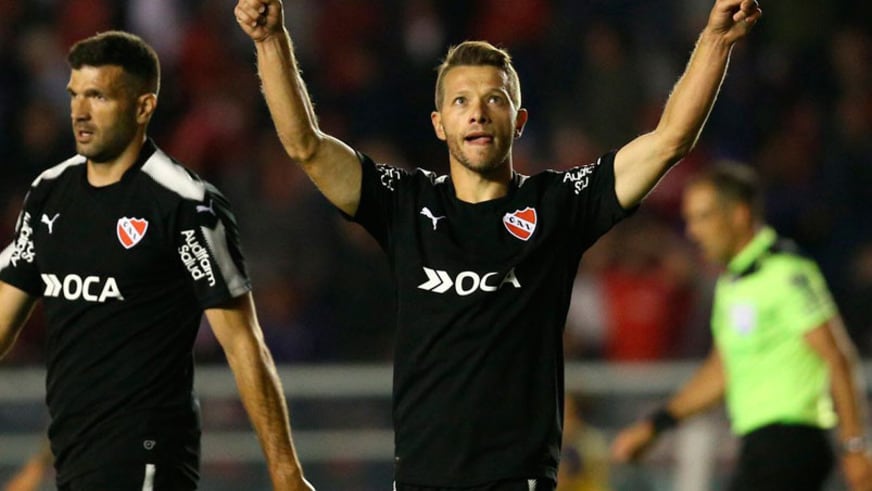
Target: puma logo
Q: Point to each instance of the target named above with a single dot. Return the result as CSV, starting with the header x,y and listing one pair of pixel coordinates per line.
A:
x,y
50,222
429,214
201,208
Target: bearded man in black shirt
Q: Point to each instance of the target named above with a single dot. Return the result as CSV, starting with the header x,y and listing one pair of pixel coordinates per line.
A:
x,y
127,249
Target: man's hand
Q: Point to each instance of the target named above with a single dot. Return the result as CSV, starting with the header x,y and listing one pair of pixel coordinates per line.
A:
x,y
260,19
632,441
733,19
857,468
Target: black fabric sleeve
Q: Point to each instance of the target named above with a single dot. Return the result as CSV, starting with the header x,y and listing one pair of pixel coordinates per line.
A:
x,y
594,205
380,191
207,240
18,260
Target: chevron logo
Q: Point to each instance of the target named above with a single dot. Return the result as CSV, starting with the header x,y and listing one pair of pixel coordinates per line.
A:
x,y
466,282
75,287
52,285
438,281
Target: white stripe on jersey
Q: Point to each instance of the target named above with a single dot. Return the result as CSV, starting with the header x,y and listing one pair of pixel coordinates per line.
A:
x,y
148,480
54,172
173,177
6,255
217,241
522,179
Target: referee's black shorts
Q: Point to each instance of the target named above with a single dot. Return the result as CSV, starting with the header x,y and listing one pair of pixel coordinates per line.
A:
x,y
508,485
134,477
779,457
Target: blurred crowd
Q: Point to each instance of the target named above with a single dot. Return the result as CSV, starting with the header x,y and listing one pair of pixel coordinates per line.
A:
x,y
796,103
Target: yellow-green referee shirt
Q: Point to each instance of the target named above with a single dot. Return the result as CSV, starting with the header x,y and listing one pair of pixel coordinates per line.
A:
x,y
767,299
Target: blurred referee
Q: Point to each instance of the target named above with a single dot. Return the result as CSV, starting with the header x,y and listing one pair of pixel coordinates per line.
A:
x,y
781,355
127,248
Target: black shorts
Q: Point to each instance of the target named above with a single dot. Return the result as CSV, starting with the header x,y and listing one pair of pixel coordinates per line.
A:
x,y
507,485
778,457
134,477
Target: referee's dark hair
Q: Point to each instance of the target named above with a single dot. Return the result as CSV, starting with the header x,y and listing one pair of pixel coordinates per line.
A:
x,y
123,49
734,183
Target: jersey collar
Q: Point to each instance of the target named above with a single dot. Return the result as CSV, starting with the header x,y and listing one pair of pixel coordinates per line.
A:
x,y
517,180
746,259
148,148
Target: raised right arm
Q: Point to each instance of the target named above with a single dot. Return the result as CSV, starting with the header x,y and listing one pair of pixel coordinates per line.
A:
x,y
331,164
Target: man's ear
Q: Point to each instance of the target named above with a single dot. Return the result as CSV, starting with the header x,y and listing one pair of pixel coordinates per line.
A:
x,y
436,119
520,122
742,216
145,106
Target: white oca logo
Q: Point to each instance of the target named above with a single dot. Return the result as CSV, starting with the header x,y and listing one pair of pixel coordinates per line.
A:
x,y
74,287
466,282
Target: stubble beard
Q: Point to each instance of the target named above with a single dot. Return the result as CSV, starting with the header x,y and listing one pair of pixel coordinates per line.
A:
x,y
108,148
99,154
485,168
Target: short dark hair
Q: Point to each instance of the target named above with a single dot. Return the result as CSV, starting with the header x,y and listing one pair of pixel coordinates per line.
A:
x,y
735,183
119,48
478,53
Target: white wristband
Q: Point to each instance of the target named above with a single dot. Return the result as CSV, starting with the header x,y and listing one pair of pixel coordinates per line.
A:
x,y
854,444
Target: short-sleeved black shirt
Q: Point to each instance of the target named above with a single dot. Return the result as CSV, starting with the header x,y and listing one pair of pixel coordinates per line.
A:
x,y
124,272
482,295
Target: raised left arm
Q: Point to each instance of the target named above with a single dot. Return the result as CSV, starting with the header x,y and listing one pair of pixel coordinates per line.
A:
x,y
236,327
832,343
642,162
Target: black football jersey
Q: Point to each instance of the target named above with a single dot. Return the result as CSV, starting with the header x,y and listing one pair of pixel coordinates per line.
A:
x,y
482,295
124,272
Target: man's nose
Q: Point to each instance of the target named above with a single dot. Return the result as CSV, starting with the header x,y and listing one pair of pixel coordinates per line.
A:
x,y
79,109
479,113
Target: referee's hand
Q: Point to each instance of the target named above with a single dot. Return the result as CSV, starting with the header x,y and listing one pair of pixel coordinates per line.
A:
x,y
857,468
260,19
632,441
